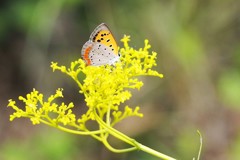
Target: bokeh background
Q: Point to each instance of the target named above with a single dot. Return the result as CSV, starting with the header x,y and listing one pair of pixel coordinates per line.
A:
x,y
198,46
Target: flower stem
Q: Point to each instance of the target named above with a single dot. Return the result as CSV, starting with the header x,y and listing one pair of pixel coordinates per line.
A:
x,y
129,140
154,152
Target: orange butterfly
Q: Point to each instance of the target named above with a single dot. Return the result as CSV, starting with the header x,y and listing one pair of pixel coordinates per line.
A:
x,y
101,48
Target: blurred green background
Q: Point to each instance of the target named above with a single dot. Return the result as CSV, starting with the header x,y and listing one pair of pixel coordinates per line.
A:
x,y
198,46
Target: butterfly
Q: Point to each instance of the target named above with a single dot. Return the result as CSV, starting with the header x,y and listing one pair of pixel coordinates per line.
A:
x,y
101,48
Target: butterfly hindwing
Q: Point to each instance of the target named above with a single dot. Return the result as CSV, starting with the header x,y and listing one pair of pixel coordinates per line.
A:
x,y
87,47
97,54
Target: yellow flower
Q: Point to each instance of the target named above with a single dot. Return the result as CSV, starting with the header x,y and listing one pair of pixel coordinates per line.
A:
x,y
104,88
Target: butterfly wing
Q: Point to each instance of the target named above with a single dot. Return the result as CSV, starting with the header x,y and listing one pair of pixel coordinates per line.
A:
x,y
97,54
103,35
87,47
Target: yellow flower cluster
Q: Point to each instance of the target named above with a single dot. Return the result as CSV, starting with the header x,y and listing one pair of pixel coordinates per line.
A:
x,y
47,112
104,88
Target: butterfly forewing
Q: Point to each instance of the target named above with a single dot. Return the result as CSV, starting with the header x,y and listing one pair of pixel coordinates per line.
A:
x,y
103,35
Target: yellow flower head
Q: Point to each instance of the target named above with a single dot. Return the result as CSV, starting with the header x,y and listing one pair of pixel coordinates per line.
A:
x,y
104,87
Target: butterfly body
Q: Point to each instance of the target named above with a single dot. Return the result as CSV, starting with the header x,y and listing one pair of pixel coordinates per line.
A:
x,y
101,48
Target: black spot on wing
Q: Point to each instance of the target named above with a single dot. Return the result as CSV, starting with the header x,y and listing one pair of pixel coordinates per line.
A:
x,y
94,38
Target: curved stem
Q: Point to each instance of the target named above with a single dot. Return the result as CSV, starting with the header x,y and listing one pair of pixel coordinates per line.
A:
x,y
200,147
73,131
129,140
115,132
105,142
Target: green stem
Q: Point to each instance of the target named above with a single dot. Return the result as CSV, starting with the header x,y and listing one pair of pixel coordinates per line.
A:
x,y
200,147
154,152
113,131
129,140
108,116
105,142
71,130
